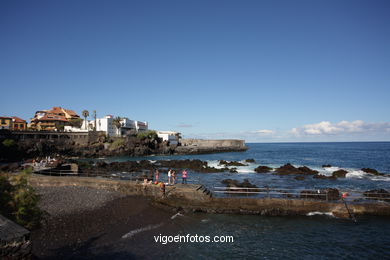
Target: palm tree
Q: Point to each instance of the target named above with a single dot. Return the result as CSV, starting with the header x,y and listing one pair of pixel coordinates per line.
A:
x,y
117,123
85,114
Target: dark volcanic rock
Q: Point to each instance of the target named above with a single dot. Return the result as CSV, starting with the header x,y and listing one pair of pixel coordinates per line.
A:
x,y
102,168
380,194
237,184
372,171
339,173
322,194
232,163
263,169
326,165
290,169
324,177
233,170
250,161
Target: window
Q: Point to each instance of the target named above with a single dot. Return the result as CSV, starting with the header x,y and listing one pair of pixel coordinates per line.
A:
x,y
3,121
16,125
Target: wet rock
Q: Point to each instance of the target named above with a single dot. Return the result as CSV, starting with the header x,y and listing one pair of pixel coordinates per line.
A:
x,y
232,163
324,177
290,169
326,165
299,178
237,184
233,170
321,194
372,171
379,194
146,165
339,173
263,169
250,161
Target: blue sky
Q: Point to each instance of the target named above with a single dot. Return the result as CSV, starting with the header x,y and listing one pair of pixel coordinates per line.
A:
x,y
264,71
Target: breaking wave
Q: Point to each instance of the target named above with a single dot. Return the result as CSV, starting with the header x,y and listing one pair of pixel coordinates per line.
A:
x,y
139,230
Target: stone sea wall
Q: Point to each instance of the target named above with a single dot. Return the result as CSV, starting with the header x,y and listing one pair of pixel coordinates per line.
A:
x,y
195,198
194,146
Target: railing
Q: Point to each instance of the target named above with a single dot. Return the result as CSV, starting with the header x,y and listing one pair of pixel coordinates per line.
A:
x,y
306,194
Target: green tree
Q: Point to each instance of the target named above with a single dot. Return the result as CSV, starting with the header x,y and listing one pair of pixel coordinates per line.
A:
x,y
59,126
150,134
85,114
117,123
76,122
19,202
8,143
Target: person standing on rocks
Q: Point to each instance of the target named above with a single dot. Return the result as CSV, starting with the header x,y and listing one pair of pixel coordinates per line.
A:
x,y
169,176
173,177
156,177
184,176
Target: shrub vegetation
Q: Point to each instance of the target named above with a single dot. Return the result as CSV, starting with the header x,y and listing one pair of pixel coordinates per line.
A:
x,y
19,201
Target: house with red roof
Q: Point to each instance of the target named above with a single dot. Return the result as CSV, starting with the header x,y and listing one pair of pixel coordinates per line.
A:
x,y
53,119
18,123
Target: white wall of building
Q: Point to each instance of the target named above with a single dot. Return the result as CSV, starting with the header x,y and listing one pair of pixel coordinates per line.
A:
x,y
106,124
169,136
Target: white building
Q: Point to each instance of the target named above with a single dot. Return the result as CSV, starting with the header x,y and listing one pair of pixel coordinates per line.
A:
x,y
169,136
106,125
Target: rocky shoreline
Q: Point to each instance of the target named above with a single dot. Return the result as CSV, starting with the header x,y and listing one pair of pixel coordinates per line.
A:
x,y
96,145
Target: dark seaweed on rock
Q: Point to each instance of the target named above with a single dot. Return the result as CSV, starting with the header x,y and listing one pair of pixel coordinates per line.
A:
x,y
237,184
324,177
339,173
372,171
232,163
290,169
145,165
263,169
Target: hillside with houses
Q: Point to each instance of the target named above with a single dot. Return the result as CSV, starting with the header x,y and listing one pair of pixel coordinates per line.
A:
x,y
63,132
58,119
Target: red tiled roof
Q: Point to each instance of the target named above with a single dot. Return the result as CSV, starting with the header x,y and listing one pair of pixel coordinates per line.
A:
x,y
71,112
55,110
5,117
53,118
18,120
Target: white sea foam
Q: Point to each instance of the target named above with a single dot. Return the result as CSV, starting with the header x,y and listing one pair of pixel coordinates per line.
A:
x,y
357,174
205,220
177,215
215,164
331,169
139,230
330,214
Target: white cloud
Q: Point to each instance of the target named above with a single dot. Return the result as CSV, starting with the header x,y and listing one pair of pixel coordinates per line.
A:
x,y
342,127
265,131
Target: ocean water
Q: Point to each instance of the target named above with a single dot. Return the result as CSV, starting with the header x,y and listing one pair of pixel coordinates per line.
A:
x,y
317,236
350,156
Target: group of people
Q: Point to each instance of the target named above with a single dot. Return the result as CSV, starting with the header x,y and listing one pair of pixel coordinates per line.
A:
x,y
172,177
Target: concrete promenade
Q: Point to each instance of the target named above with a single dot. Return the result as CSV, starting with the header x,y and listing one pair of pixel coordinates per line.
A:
x,y
194,198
